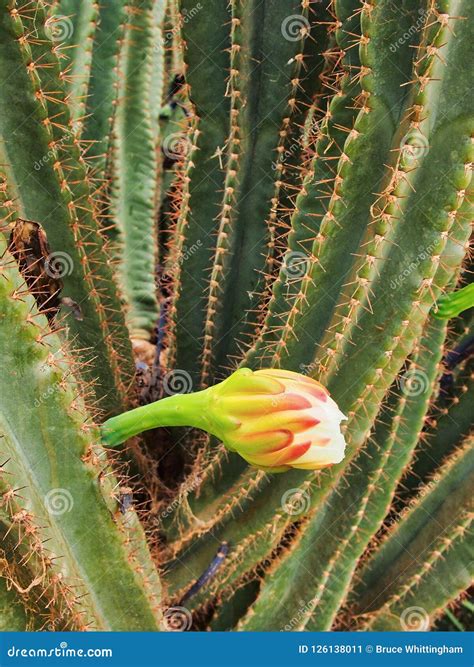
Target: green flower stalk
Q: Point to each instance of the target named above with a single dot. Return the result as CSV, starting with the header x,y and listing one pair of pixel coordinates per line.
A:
x,y
452,305
275,419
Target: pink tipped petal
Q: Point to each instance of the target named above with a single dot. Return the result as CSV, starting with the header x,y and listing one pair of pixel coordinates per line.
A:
x,y
285,456
317,392
254,385
265,441
262,404
294,421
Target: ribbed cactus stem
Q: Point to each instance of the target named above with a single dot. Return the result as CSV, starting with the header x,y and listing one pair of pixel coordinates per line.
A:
x,y
133,186
48,180
67,495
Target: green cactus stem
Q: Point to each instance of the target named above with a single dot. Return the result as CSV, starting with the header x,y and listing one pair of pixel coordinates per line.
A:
x,y
432,543
50,445
47,181
103,84
133,187
72,27
177,410
452,305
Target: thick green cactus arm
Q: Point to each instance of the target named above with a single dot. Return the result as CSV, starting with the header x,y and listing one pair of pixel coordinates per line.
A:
x,y
426,560
48,182
360,171
292,163
312,200
264,79
207,32
133,190
446,161
35,592
158,73
72,28
103,82
306,588
450,425
51,449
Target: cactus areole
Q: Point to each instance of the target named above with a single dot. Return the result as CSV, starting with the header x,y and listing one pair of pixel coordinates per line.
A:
x,y
275,419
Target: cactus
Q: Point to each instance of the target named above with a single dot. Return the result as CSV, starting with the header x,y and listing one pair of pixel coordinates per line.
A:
x,y
52,451
282,185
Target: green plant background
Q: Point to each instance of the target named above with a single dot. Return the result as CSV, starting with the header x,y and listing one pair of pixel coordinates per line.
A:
x,y
282,183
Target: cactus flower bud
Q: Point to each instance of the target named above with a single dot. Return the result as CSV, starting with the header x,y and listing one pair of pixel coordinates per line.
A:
x,y
275,419
278,419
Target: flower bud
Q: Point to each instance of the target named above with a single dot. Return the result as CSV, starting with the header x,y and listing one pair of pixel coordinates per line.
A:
x,y
276,420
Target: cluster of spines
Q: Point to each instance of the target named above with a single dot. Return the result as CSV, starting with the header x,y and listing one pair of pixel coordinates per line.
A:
x,y
201,181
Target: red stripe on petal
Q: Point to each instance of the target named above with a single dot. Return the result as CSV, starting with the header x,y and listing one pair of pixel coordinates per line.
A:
x,y
291,402
317,391
281,457
300,424
322,442
292,453
266,441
